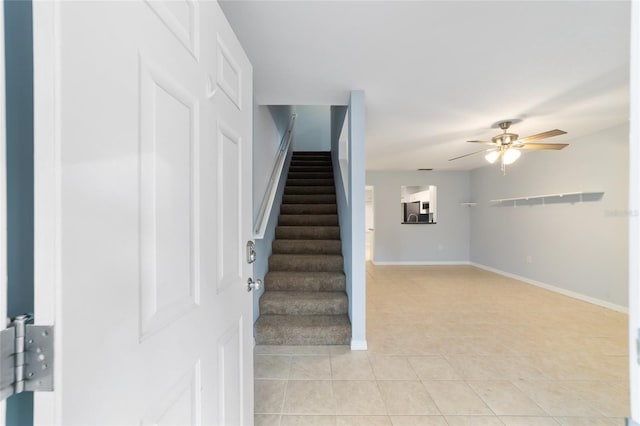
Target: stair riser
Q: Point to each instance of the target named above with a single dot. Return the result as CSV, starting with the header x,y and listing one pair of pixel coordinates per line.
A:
x,y
291,307
310,170
311,153
307,247
310,175
308,220
321,263
309,199
310,182
307,233
309,282
304,190
332,335
311,162
308,209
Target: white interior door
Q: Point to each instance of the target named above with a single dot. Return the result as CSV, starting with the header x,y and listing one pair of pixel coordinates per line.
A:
x,y
143,202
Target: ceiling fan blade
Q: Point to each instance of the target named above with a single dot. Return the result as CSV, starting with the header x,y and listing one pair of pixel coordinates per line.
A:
x,y
483,142
536,146
543,135
473,153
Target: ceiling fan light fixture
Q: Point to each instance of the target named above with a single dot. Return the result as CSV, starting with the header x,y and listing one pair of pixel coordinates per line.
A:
x,y
506,146
510,156
492,156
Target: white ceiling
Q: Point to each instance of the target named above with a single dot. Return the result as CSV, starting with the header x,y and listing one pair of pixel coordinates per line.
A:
x,y
438,73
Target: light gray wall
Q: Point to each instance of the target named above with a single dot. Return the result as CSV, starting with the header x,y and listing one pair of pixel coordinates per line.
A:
x,y
270,124
313,128
351,211
580,247
634,207
443,242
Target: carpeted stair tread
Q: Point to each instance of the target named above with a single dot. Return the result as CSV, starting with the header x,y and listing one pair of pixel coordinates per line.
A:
x,y
304,303
304,281
322,155
310,169
305,165
302,153
312,161
309,198
303,330
306,262
326,165
308,232
312,158
306,247
308,220
330,208
316,189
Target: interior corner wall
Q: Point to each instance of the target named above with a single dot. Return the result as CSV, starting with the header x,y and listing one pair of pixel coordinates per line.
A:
x,y
269,125
444,242
313,128
579,247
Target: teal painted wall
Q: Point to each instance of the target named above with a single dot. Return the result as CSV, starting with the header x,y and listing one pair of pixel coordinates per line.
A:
x,y
18,27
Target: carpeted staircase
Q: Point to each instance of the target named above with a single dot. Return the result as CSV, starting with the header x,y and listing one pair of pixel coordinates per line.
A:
x,y
304,302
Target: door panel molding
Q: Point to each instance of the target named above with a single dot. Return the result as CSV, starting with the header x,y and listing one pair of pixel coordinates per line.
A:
x,y
230,375
169,170
186,28
229,75
182,400
230,258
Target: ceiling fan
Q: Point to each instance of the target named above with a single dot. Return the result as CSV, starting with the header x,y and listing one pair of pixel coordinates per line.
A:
x,y
506,146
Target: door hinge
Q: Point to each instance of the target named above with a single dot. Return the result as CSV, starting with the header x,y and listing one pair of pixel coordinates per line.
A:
x,y
26,357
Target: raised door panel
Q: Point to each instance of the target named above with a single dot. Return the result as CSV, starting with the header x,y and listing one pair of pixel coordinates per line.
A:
x,y
229,73
169,117
230,355
230,196
182,19
181,405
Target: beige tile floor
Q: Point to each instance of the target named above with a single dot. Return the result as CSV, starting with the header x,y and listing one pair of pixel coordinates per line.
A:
x,y
455,345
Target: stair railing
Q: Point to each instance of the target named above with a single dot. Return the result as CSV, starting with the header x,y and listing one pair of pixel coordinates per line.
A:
x,y
272,187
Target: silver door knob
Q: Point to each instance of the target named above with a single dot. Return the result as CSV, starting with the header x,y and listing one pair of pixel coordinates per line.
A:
x,y
254,285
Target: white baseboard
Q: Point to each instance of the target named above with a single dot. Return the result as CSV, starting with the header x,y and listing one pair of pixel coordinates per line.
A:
x,y
421,263
569,293
358,345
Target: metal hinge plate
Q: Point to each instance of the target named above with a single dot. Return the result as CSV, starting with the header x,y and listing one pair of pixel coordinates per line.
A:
x,y
26,358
